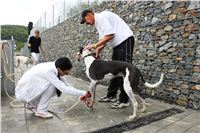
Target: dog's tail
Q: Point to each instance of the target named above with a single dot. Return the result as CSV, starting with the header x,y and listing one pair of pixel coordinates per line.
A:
x,y
152,85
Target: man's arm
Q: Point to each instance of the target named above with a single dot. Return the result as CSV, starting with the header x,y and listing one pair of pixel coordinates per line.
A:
x,y
63,87
29,45
41,48
100,44
108,34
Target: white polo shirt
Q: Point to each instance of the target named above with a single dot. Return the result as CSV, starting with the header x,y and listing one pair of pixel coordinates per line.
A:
x,y
108,23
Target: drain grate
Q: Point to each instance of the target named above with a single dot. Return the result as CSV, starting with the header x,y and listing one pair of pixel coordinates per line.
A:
x,y
139,122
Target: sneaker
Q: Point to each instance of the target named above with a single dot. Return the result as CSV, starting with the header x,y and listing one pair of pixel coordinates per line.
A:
x,y
44,114
107,99
30,107
118,105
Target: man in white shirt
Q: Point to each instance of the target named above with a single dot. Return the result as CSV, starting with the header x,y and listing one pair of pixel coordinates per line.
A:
x,y
114,32
40,83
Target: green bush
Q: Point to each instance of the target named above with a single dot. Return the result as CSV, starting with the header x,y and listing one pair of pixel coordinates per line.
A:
x,y
20,34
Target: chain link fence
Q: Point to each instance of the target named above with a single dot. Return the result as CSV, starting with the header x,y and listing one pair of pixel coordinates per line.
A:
x,y
61,11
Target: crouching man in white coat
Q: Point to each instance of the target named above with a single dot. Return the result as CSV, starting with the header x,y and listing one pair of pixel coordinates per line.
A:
x,y
43,81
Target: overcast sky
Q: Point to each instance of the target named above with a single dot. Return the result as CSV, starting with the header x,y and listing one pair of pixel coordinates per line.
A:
x,y
20,12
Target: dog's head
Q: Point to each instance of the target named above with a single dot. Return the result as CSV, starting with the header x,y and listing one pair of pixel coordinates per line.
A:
x,y
83,53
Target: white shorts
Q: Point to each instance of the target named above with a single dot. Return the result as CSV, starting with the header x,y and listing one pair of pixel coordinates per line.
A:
x,y
36,57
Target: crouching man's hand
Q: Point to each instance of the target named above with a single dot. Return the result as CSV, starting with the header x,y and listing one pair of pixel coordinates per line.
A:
x,y
85,97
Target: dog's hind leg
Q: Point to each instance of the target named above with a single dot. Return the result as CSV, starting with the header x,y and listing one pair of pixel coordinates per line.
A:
x,y
134,85
129,92
143,105
142,102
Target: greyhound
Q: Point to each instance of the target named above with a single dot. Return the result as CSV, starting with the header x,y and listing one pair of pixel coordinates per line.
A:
x,y
100,70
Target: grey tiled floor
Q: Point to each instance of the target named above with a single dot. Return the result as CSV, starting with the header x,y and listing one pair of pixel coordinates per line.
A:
x,y
82,119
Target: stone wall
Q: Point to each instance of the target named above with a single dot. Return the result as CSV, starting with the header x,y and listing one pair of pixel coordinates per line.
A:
x,y
167,40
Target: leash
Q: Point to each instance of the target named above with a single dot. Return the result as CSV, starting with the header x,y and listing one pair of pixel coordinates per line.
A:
x,y
87,102
92,54
8,76
13,103
66,111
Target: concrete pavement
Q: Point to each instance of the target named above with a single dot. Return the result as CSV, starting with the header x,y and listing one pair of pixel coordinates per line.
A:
x,y
83,119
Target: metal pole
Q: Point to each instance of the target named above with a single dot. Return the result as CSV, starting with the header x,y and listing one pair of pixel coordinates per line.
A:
x,y
53,17
45,20
79,7
40,22
64,11
0,32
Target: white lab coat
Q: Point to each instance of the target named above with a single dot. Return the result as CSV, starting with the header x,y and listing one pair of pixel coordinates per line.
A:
x,y
38,79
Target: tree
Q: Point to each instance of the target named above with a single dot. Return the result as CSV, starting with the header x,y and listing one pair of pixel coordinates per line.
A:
x,y
18,32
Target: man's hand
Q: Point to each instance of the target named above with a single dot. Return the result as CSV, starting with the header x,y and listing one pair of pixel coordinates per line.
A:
x,y
98,50
78,56
89,46
43,53
86,96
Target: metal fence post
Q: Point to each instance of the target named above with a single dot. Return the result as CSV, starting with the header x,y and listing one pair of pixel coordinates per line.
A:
x,y
7,66
64,11
0,32
45,20
53,16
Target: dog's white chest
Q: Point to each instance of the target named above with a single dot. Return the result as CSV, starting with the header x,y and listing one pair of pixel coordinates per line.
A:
x,y
88,61
87,73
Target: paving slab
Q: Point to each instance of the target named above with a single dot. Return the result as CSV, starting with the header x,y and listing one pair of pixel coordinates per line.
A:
x,y
82,119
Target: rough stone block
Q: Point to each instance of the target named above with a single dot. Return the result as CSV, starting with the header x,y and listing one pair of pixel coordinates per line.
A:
x,y
186,22
172,70
168,5
192,13
197,62
177,92
181,102
197,87
196,77
193,5
160,32
192,27
164,37
193,36
197,52
165,46
172,17
181,10
171,50
155,20
168,28
196,69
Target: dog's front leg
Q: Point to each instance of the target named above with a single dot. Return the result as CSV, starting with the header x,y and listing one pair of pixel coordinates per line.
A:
x,y
92,88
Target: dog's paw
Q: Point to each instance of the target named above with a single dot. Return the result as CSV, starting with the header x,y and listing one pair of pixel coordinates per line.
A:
x,y
147,104
142,110
131,117
89,103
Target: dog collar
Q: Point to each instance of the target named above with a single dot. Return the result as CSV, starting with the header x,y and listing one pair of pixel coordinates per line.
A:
x,y
92,54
